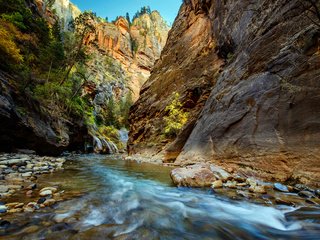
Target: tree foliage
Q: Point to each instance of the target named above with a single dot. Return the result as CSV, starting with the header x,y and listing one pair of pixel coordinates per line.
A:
x,y
176,118
143,10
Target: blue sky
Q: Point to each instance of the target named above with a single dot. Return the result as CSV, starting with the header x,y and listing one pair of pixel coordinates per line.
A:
x,y
113,8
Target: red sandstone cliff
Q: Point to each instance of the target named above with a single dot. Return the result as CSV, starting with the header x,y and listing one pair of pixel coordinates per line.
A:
x,y
248,74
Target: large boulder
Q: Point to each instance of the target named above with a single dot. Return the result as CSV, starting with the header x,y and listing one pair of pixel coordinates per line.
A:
x,y
198,175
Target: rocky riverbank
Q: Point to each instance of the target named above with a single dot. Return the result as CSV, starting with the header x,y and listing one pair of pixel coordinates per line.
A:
x,y
239,186
19,176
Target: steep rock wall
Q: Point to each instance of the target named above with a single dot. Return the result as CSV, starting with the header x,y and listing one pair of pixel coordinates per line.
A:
x,y
136,47
262,117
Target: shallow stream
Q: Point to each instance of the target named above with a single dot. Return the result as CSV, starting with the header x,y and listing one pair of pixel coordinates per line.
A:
x,y
127,200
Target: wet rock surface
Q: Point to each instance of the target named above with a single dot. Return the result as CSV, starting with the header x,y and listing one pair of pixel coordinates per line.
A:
x,y
198,175
21,172
241,187
129,200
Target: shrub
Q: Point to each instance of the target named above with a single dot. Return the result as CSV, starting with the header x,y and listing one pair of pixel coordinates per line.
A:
x,y
176,118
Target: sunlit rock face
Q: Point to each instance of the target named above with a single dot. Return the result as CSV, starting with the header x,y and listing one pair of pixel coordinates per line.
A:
x,y
136,47
64,9
248,74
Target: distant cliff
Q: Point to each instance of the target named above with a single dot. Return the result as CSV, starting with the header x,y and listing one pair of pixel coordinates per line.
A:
x,y
248,75
65,10
135,46
58,93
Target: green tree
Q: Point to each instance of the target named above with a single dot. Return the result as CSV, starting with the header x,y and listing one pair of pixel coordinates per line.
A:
x,y
83,25
176,118
128,18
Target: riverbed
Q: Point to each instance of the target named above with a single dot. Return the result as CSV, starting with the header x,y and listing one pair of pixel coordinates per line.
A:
x,y
110,198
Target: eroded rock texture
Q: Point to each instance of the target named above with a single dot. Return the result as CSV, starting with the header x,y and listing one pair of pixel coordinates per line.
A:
x,y
134,46
260,62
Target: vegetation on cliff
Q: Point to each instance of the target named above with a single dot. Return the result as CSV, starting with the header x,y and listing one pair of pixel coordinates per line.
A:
x,y
50,67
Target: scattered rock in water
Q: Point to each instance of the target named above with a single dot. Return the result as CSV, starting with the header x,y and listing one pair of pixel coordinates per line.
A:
x,y
317,193
14,205
45,193
217,184
219,173
52,189
243,184
41,200
245,194
311,202
198,175
306,194
29,193
284,202
4,224
257,189
240,179
252,182
49,202
26,174
32,186
4,189
280,187
3,209
231,184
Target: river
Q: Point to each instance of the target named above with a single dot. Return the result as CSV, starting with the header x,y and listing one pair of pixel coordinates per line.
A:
x,y
128,200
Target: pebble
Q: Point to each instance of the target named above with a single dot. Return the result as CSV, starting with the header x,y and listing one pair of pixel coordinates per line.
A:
x,y
45,193
280,187
3,209
29,193
41,200
49,202
27,174
52,189
317,193
15,210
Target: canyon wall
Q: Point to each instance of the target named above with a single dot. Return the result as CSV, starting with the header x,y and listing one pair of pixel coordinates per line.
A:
x,y
135,46
248,74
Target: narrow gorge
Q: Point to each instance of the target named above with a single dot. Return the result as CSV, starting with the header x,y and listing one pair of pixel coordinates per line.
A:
x,y
247,74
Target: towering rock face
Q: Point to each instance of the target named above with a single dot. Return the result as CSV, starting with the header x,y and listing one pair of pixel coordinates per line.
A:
x,y
64,9
135,46
260,61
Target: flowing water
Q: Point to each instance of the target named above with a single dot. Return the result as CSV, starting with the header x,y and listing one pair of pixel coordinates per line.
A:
x,y
128,200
